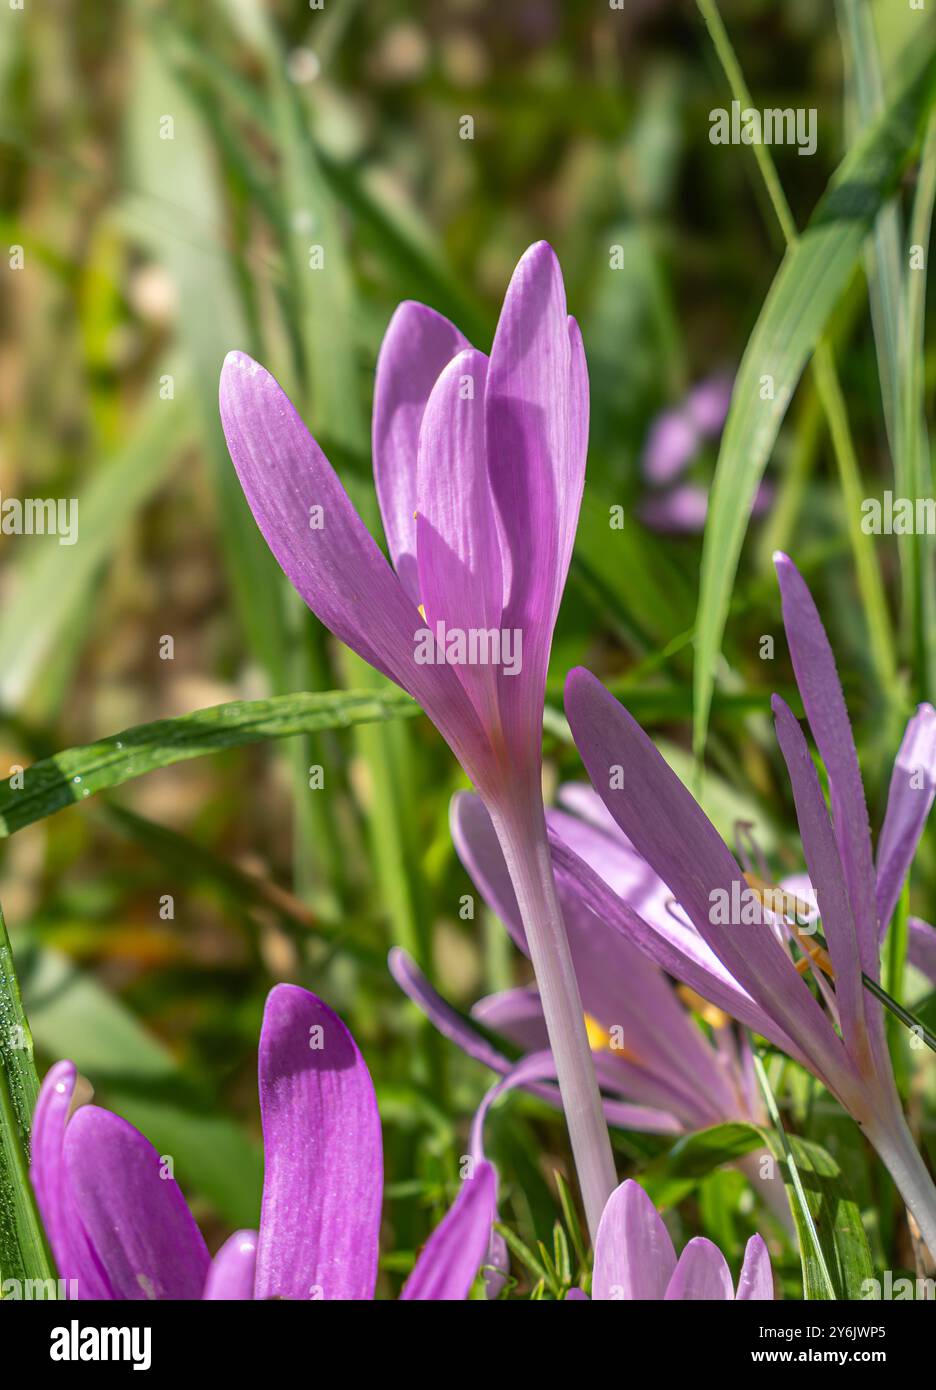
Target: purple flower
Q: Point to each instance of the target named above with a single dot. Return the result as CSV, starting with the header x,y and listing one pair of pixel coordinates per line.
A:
x,y
634,1258
479,464
751,970
656,1065
673,442
119,1225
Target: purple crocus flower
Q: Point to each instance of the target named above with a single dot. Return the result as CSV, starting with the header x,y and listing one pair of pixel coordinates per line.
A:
x,y
677,434
750,970
635,1259
479,465
674,505
657,1069
656,1064
119,1225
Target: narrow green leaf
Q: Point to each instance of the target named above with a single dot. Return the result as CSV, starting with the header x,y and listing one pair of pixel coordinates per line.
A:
x,y
23,1252
811,278
43,603
72,776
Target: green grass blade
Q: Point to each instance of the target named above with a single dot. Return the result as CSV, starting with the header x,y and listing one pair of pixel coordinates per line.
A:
x,y
23,1253
35,619
71,776
811,278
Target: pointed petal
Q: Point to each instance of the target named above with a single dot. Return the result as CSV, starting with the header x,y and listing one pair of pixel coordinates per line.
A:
x,y
517,1014
679,950
233,1269
417,345
824,703
634,1256
701,1273
479,850
921,947
458,551
335,566
680,1071
323,1183
134,1214
457,1248
453,1026
909,801
537,427
756,1279
447,1020
671,831
826,877
74,1258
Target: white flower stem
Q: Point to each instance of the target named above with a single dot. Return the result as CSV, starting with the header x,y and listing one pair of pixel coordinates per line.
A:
x,y
896,1146
523,839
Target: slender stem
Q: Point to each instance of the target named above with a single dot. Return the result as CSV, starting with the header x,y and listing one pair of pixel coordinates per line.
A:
x,y
522,834
895,1145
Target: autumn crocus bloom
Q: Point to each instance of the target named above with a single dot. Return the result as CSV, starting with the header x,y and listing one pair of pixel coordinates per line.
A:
x,y
119,1225
479,465
750,970
635,1259
654,1063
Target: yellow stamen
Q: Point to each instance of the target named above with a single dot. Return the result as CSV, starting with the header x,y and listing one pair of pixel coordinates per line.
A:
x,y
711,1013
599,1039
421,610
792,908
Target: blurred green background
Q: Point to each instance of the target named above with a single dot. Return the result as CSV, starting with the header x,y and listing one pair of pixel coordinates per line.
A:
x,y
167,170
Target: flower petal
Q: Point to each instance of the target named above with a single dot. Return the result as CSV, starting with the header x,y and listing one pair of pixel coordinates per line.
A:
x,y
756,1278
826,877
921,947
909,801
336,566
457,1248
417,345
634,1256
74,1257
701,1273
671,831
324,1171
517,1014
448,1021
824,703
536,419
457,547
135,1215
671,445
233,1269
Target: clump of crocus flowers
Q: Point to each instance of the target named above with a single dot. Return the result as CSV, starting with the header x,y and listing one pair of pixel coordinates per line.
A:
x,y
120,1228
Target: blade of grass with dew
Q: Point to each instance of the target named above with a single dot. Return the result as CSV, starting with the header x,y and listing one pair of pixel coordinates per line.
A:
x,y
77,773
23,1252
814,272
